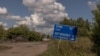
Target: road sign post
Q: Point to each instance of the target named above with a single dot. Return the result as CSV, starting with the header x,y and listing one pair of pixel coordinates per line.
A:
x,y
64,32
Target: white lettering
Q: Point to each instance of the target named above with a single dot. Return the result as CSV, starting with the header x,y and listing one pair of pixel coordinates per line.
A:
x,y
60,26
66,35
56,33
71,28
58,29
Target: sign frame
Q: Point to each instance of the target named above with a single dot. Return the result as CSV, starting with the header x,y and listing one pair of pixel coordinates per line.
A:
x,y
65,32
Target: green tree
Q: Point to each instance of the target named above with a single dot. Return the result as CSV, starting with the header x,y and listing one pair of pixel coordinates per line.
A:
x,y
34,36
21,30
1,31
87,24
96,32
31,36
83,26
80,22
24,32
66,21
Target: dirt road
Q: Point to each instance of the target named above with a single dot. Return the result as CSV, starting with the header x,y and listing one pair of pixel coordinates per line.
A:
x,y
24,49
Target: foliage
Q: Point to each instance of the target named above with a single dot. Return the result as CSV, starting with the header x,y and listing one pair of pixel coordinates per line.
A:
x,y
83,25
20,31
96,32
2,33
34,36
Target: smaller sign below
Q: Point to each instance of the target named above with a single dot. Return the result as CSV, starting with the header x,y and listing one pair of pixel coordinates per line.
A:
x,y
65,32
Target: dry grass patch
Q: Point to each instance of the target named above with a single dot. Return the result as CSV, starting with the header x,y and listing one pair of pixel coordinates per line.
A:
x,y
82,47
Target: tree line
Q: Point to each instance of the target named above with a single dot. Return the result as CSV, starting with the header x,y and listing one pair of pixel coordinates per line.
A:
x,y
21,32
31,35
96,30
84,26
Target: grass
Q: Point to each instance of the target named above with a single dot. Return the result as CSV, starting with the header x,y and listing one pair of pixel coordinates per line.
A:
x,y
82,47
4,48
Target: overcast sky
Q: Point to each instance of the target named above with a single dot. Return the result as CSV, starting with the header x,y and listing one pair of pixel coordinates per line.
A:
x,y
43,14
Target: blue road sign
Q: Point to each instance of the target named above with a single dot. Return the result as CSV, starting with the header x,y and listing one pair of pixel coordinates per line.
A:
x,y
65,32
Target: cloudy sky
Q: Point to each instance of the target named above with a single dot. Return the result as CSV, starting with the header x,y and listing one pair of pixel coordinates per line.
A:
x,y
43,14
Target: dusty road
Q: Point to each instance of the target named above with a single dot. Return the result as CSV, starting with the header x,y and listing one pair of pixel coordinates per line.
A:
x,y
24,49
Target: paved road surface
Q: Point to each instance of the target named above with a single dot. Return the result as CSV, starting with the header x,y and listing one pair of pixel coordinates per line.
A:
x,y
24,49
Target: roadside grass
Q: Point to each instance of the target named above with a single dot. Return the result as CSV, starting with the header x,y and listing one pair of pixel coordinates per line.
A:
x,y
2,48
82,47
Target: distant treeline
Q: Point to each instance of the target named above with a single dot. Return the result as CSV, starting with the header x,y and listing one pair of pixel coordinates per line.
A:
x,y
84,26
21,32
